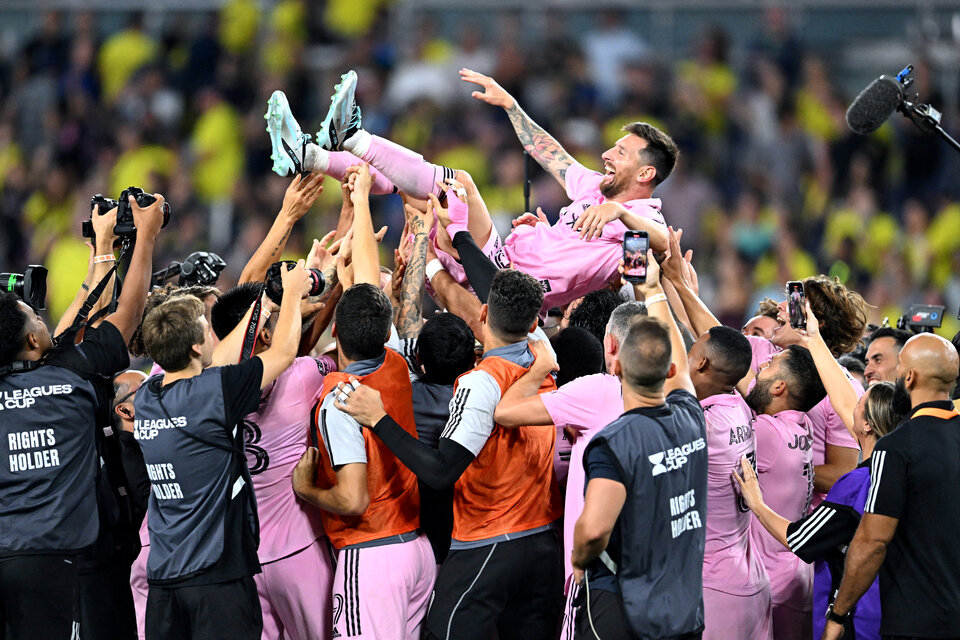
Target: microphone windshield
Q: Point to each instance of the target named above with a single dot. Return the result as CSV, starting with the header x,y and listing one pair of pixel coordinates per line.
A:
x,y
874,105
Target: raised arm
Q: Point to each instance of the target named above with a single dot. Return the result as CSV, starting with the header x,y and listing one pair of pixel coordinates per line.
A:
x,y
700,317
410,317
137,283
840,390
455,298
366,261
659,308
541,146
103,246
299,197
286,335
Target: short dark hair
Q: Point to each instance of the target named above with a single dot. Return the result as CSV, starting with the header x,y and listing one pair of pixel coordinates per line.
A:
x,y
445,348
899,336
158,296
803,380
593,312
661,151
172,329
229,309
730,353
645,354
513,304
363,318
13,322
579,354
852,364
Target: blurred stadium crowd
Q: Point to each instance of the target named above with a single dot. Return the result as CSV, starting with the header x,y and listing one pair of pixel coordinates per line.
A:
x,y
771,187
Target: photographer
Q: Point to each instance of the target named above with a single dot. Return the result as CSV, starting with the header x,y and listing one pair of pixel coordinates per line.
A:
x,y
48,457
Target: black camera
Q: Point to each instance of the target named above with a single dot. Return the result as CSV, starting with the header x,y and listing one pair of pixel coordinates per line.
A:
x,y
125,227
199,268
30,286
274,284
921,318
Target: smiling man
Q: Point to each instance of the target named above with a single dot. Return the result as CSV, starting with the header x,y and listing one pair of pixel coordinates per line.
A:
x,y
883,354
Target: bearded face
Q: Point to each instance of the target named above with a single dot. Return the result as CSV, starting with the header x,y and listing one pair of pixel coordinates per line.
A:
x,y
759,397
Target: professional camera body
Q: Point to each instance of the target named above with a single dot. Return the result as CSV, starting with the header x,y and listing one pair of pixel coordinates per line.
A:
x,y
921,318
30,286
125,227
274,283
198,268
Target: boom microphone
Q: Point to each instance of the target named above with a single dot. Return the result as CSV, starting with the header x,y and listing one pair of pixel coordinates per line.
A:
x,y
874,105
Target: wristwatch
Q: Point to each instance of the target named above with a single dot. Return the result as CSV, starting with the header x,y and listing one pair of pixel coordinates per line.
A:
x,y
832,616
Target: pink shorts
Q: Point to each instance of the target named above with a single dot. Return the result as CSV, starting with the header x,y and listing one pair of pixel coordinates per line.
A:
x,y
492,248
732,616
383,592
138,585
295,594
790,624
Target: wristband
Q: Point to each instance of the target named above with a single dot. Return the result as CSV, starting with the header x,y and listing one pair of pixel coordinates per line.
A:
x,y
833,616
660,297
107,257
432,268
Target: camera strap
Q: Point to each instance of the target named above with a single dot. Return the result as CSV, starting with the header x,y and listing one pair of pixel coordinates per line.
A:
x,y
250,334
79,320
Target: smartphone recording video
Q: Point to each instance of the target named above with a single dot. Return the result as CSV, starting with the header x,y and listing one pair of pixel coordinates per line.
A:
x,y
796,305
635,246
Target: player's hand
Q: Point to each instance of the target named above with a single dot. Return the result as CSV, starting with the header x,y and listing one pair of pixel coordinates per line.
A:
x,y
323,254
672,266
832,631
305,472
359,401
396,280
148,220
812,332
546,359
492,92
578,576
530,219
300,195
591,223
749,486
360,180
443,216
693,280
651,286
295,280
419,221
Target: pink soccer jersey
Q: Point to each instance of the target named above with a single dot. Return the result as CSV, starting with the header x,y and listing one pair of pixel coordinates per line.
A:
x,y
567,266
276,437
730,563
785,473
586,404
828,428
763,351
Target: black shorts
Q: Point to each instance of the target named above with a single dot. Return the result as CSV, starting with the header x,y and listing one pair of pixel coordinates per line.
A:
x,y
513,587
205,612
605,618
38,595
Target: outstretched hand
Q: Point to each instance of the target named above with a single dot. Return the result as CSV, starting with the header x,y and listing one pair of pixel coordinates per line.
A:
x,y
492,92
300,195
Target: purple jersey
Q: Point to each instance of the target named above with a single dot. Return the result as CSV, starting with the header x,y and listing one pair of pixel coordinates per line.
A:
x,y
785,473
587,405
730,562
276,436
567,266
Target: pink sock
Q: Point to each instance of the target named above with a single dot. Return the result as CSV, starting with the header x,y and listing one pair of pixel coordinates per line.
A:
x,y
339,161
406,169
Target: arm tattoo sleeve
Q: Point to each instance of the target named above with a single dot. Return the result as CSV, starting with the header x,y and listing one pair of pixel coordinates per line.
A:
x,y
540,144
411,293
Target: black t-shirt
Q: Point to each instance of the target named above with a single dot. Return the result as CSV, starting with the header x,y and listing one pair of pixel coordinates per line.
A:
x,y
241,394
103,353
915,478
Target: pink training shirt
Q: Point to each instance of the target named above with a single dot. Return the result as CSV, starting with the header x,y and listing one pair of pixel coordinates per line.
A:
x,y
586,404
731,563
785,473
828,427
276,436
567,266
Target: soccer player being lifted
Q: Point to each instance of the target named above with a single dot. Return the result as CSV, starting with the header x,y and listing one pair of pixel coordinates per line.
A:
x,y
589,232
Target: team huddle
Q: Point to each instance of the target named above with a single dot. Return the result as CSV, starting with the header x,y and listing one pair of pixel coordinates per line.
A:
x,y
646,472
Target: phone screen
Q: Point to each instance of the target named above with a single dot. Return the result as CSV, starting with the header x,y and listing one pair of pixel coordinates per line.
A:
x,y
635,256
796,305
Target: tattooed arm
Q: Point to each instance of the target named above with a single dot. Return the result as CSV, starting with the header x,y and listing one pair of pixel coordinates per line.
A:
x,y
299,197
411,298
538,143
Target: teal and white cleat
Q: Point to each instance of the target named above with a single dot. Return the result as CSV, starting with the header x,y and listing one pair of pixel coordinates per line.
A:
x,y
288,141
343,118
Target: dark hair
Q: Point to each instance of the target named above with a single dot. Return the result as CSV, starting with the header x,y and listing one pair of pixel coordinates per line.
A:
x,y
157,297
13,321
803,381
852,364
363,318
661,151
579,354
172,329
730,353
513,304
842,313
445,348
593,312
899,336
229,310
645,354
